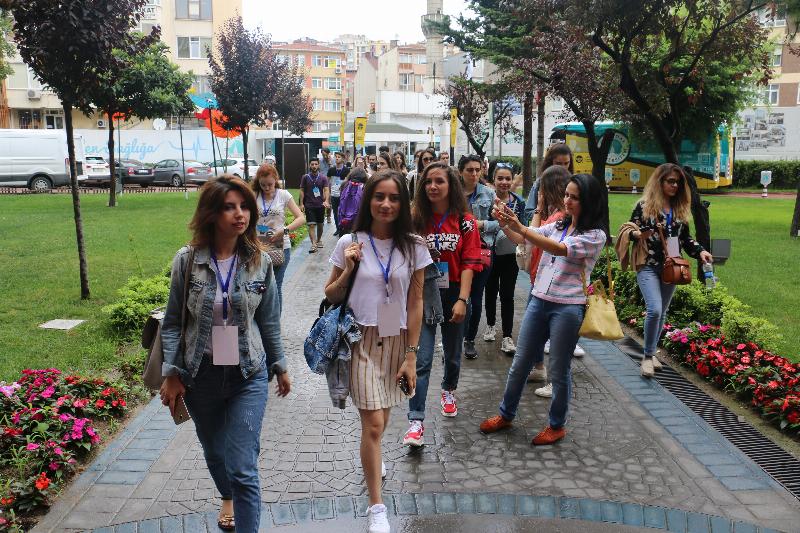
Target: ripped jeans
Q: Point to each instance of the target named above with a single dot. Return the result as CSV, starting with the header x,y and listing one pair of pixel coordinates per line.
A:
x,y
227,411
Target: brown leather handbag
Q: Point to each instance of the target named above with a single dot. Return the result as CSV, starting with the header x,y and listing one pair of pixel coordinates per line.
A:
x,y
677,270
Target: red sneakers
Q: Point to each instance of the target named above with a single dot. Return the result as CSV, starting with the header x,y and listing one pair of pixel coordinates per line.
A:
x,y
413,436
548,436
496,423
449,406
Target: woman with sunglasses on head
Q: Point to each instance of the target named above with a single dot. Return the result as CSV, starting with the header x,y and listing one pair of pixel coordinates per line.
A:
x,y
271,227
480,201
503,275
570,248
230,347
666,202
386,300
441,216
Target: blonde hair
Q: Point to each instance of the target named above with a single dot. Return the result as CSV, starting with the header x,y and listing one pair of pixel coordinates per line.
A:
x,y
653,200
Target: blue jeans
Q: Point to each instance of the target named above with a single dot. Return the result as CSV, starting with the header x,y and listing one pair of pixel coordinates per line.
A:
x,y
452,340
227,411
279,272
657,296
473,318
545,320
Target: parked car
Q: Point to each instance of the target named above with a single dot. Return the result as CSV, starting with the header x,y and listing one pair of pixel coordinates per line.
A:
x,y
170,172
97,169
135,172
234,166
37,159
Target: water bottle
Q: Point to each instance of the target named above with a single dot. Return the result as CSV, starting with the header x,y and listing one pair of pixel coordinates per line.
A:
x,y
708,275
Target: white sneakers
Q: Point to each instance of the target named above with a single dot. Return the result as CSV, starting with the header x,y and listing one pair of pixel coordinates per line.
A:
x,y
490,334
508,345
538,375
657,364
383,470
415,433
648,370
579,352
545,392
378,519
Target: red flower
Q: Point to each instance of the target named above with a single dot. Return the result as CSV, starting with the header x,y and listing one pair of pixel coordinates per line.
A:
x,y
100,404
793,417
7,501
42,482
773,384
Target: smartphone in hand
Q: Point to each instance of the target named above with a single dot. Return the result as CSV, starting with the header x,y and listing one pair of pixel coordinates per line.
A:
x,y
180,414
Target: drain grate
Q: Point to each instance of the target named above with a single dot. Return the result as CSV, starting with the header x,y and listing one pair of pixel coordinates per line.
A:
x,y
774,460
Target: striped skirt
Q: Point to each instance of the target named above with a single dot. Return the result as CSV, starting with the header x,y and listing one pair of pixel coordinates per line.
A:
x,y
373,368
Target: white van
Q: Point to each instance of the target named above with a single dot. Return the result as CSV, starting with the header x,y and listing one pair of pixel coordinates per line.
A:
x,y
37,159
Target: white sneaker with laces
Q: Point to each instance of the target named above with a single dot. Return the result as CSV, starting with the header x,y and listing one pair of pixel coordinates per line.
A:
x,y
508,345
490,333
647,367
579,352
383,470
538,375
449,404
415,433
657,364
378,519
547,346
545,392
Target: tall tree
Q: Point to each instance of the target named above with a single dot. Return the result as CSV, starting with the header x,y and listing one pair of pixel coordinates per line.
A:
x,y
6,48
65,44
252,85
141,81
472,102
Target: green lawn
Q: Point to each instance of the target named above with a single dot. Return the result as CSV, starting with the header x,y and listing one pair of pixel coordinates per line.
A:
x,y
39,279
764,268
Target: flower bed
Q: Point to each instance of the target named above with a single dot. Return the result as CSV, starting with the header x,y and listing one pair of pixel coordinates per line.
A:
x,y
47,424
714,334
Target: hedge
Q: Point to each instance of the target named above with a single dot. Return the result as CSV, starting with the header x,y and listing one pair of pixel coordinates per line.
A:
x,y
785,174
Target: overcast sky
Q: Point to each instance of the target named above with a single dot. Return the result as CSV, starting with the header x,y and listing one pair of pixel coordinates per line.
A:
x,y
324,20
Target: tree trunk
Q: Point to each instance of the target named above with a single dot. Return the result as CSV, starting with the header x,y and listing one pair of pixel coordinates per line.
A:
x,y
702,223
76,203
539,127
527,142
598,152
795,231
246,166
112,192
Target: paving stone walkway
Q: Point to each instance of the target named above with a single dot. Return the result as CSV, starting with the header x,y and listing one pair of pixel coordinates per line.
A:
x,y
634,455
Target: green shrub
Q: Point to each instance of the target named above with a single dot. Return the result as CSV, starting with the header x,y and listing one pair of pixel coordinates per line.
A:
x,y
138,298
785,174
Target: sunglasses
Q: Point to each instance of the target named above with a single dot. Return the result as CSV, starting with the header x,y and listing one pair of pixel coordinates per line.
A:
x,y
504,165
424,159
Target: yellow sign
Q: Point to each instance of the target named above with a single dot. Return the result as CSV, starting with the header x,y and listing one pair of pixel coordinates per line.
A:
x,y
341,129
360,126
453,126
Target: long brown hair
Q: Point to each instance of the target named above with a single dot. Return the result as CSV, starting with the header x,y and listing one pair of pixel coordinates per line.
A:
x,y
210,205
653,200
265,170
402,230
553,183
553,152
422,211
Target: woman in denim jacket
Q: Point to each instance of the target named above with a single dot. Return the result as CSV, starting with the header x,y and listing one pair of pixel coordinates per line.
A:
x,y
231,345
480,200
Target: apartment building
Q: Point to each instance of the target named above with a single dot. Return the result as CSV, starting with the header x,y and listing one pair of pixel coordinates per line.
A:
x,y
187,27
324,73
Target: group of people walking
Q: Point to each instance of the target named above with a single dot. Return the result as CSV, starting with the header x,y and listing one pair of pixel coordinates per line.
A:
x,y
429,245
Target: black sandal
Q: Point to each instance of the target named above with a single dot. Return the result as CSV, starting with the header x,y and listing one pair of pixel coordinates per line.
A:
x,y
226,523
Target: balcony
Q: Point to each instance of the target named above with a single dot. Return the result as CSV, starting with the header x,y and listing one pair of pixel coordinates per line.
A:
x,y
427,30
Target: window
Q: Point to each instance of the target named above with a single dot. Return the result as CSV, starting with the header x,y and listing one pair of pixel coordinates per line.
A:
x,y
316,61
333,105
23,78
193,9
282,58
769,95
193,47
201,84
773,18
331,62
301,60
558,104
317,104
406,82
421,59
318,126
333,84
316,83
405,58
777,57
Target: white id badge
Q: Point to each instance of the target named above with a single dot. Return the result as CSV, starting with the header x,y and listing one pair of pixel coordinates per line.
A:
x,y
315,192
225,344
545,277
443,281
388,319
673,248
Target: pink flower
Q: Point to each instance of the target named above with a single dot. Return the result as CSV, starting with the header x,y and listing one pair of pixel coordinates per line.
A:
x,y
49,391
64,417
58,451
8,390
741,346
53,466
32,446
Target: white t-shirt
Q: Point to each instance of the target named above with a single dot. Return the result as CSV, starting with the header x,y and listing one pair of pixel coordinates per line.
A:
x,y
272,214
369,289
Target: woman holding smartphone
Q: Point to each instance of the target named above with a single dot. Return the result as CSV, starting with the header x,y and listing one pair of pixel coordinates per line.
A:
x,y
440,215
570,248
231,346
386,300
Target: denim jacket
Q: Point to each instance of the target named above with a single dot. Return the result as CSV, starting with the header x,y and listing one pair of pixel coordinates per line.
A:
x,y
497,238
481,205
254,300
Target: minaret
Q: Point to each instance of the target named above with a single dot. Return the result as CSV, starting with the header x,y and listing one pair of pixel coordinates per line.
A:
x,y
434,48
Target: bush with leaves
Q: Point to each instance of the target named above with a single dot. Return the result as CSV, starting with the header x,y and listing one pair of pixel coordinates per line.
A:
x,y
785,173
138,298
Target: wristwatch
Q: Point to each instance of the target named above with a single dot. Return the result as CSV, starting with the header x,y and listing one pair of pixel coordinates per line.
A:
x,y
460,299
413,349
537,211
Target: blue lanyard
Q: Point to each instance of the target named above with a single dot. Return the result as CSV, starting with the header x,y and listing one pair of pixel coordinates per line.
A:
x,y
384,269
224,285
264,202
563,235
315,178
669,217
437,227
339,171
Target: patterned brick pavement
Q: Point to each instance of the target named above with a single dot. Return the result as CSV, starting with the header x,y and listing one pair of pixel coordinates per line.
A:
x,y
629,441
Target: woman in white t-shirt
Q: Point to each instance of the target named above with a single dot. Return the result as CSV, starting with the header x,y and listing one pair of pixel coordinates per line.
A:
x,y
386,300
273,202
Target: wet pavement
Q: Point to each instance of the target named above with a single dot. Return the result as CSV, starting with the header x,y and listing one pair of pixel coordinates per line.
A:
x,y
633,456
